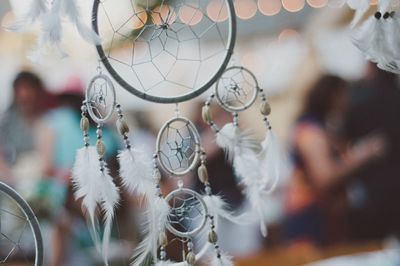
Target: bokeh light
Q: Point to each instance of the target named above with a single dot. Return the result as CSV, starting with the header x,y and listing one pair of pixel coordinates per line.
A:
x,y
163,14
245,9
190,15
269,7
293,5
217,11
317,3
288,34
140,18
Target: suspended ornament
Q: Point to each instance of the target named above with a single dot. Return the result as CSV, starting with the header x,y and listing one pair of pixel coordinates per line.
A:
x,y
378,37
183,213
258,165
51,14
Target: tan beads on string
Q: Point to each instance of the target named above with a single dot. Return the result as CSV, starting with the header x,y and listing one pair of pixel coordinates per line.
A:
x,y
122,127
206,114
265,108
84,124
203,174
191,258
212,237
100,148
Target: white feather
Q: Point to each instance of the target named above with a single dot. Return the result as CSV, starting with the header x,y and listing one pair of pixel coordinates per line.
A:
x,y
217,207
224,260
156,220
96,189
71,10
233,140
36,9
136,171
164,263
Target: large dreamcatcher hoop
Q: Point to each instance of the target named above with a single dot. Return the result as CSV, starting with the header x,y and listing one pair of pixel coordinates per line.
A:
x,y
178,146
172,40
20,236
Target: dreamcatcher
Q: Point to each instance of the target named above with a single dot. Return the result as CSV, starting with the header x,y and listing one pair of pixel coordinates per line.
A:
x,y
166,39
257,164
20,236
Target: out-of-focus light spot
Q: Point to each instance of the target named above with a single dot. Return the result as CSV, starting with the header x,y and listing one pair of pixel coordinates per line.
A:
x,y
245,9
293,5
317,3
217,10
190,15
288,34
163,14
374,2
269,7
140,18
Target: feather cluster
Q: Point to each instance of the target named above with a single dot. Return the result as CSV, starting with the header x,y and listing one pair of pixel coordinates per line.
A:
x,y
97,191
359,6
136,172
156,220
379,36
260,173
233,140
50,16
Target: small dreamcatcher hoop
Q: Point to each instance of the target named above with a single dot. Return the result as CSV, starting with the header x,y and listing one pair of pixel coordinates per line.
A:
x,y
100,98
178,146
237,89
188,213
170,40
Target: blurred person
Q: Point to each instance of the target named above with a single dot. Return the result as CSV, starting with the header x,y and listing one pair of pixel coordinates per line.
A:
x,y
59,138
315,202
18,123
375,189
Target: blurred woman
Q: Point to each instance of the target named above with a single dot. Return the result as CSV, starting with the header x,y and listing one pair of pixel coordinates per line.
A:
x,y
321,164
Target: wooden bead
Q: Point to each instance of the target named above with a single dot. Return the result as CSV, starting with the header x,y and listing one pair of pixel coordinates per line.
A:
x,y
122,127
206,115
203,174
191,258
101,148
266,108
84,123
163,239
212,237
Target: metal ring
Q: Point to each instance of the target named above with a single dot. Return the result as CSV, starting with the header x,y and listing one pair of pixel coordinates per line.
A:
x,y
177,99
196,138
246,105
201,225
31,218
89,91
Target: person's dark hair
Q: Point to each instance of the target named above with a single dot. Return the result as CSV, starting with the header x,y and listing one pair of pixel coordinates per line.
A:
x,y
28,77
321,98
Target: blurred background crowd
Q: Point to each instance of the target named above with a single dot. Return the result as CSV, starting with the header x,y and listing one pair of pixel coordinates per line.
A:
x,y
336,116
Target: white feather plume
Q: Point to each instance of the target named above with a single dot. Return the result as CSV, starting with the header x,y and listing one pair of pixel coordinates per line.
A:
x,y
36,9
224,260
97,190
71,10
378,39
217,207
233,140
156,220
136,171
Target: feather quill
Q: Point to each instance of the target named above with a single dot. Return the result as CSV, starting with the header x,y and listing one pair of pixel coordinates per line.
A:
x,y
135,171
156,220
233,140
36,9
71,10
224,260
96,189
